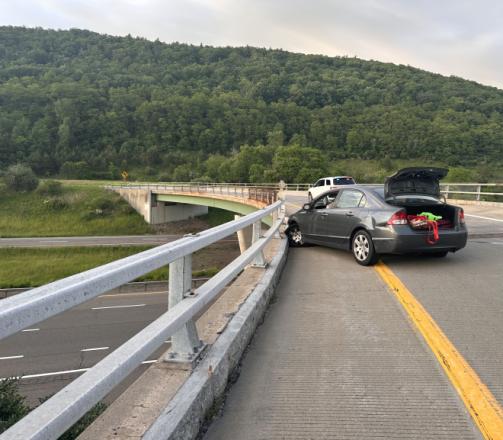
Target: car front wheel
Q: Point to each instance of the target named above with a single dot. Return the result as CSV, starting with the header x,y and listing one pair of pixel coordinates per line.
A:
x,y
363,249
295,237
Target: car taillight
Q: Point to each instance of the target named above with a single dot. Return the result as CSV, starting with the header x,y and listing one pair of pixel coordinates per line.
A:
x,y
398,218
461,216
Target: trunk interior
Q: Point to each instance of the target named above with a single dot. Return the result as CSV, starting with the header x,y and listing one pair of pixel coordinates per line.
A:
x,y
446,211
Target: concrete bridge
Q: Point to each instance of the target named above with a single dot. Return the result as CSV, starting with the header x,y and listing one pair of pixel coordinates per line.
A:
x,y
408,349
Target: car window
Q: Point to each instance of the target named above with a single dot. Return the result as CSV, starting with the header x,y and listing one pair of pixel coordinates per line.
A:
x,y
363,202
350,198
320,182
343,181
326,201
327,182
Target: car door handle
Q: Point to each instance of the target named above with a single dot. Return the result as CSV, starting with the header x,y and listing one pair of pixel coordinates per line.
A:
x,y
349,214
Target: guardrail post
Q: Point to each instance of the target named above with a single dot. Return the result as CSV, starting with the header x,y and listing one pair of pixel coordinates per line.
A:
x,y
259,260
479,189
186,346
446,191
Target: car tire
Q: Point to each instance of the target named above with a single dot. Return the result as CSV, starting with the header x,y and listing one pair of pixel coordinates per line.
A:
x,y
363,249
295,237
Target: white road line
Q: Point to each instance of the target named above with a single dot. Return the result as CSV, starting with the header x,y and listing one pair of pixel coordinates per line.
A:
x,y
55,373
118,307
53,241
497,242
19,356
157,292
484,218
95,349
30,330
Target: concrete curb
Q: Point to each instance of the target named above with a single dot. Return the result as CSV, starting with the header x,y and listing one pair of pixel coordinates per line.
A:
x,y
185,413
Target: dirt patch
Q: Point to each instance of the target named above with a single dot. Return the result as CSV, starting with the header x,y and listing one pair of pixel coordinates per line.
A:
x,y
217,255
189,226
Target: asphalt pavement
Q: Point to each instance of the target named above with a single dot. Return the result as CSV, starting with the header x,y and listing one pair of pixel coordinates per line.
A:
x,y
119,240
59,349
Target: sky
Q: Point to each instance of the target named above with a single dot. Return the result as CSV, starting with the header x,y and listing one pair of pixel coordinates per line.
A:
x,y
461,38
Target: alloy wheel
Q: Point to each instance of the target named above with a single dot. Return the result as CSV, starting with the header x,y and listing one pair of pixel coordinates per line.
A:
x,y
361,247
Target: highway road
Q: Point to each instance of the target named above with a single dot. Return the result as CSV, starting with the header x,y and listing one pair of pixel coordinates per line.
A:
x,y
125,240
57,350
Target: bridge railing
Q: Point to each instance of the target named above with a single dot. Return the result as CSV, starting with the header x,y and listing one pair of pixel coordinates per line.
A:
x,y
266,193
58,413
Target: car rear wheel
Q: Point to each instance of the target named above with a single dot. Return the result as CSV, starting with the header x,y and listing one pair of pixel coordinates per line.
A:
x,y
363,248
295,237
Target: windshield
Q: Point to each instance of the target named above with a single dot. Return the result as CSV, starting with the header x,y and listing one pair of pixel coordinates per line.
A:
x,y
343,181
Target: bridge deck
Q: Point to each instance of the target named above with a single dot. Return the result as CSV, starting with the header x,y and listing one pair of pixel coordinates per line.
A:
x,y
337,358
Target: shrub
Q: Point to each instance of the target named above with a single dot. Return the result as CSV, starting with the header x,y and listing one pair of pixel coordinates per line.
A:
x,y
56,203
75,170
103,204
50,188
20,178
12,405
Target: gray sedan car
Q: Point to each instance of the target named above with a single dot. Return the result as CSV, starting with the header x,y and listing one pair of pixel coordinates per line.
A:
x,y
373,220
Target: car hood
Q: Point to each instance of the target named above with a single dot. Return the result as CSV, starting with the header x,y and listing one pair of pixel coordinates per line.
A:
x,y
414,181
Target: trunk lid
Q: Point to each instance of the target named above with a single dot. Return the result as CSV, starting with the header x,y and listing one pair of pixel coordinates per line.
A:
x,y
416,181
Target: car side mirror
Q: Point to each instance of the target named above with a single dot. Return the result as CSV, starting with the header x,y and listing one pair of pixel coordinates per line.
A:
x,y
306,207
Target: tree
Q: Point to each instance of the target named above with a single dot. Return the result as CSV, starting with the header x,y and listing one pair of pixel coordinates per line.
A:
x,y
20,178
299,164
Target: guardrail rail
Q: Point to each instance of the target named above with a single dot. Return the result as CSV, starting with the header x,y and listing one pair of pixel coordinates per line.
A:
x,y
57,414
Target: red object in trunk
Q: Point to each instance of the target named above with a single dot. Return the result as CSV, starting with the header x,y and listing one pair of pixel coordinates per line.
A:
x,y
421,222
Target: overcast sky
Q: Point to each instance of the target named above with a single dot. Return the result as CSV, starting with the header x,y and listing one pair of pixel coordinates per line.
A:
x,y
462,38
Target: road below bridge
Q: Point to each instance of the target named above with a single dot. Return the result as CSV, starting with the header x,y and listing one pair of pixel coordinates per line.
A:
x,y
118,240
56,351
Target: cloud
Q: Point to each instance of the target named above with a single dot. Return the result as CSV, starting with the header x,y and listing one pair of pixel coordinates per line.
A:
x,y
461,38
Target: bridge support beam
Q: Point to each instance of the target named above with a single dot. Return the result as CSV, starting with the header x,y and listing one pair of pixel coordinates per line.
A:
x,y
186,346
244,236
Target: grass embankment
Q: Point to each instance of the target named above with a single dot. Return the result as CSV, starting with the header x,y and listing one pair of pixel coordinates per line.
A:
x,y
74,209
22,267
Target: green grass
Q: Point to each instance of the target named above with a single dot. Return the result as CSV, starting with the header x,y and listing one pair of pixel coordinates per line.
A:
x,y
76,211
22,267
217,216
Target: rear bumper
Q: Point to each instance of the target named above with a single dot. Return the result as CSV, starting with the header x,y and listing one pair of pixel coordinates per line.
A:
x,y
401,239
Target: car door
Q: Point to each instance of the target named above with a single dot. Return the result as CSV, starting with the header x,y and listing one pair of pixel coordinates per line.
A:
x,y
342,217
319,217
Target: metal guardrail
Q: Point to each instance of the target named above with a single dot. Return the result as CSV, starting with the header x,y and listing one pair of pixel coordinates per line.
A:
x,y
57,414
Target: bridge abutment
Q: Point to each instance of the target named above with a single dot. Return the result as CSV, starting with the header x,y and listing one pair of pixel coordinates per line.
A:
x,y
156,212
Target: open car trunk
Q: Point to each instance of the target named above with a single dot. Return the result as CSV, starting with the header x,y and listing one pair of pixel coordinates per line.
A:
x,y
447,212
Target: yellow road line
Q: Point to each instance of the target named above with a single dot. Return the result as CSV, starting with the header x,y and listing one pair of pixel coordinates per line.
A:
x,y
483,407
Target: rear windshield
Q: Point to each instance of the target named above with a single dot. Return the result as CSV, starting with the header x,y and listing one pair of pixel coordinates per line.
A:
x,y
343,181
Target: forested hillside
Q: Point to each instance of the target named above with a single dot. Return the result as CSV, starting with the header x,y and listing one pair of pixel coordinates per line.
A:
x,y
81,104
